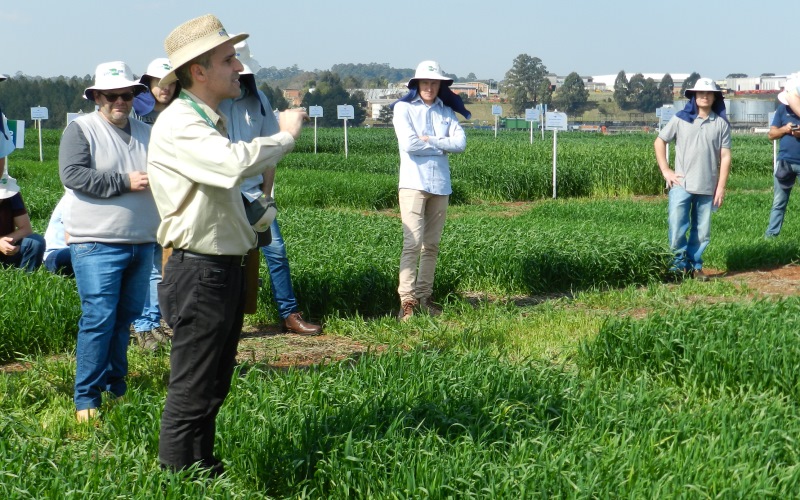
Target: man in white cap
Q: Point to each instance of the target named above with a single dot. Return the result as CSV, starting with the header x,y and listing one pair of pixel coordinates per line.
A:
x,y
146,107
196,172
786,128
20,247
111,219
249,116
427,132
702,138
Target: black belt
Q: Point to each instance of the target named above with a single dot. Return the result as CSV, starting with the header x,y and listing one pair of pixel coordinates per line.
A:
x,y
229,260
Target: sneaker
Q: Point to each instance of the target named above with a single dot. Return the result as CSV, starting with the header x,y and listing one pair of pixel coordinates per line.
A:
x,y
427,305
699,275
407,309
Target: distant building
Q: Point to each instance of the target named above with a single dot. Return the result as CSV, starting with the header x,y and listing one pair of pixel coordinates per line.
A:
x,y
294,97
608,80
755,84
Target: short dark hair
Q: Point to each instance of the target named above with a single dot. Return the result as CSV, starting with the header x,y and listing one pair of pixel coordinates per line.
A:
x,y
185,76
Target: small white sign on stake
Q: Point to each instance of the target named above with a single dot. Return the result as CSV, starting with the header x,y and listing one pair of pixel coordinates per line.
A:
x,y
532,115
555,121
315,112
38,114
497,111
345,112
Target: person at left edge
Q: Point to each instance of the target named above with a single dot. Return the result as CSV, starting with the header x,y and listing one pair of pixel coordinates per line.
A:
x,y
20,247
111,219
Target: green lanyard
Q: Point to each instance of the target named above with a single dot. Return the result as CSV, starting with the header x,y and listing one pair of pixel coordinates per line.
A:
x,y
183,95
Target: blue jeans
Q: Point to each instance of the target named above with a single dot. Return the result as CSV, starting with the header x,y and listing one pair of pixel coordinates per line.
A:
x,y
150,317
279,277
59,262
689,213
30,255
112,282
779,203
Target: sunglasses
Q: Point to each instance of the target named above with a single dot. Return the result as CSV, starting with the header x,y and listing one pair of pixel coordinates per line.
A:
x,y
127,96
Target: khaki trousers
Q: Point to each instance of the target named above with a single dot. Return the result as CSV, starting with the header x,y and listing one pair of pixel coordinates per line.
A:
x,y
423,216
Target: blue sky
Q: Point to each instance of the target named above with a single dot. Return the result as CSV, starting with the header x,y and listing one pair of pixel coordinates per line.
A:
x,y
714,38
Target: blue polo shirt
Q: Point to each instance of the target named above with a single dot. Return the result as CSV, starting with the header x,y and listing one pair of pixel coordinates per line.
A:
x,y
789,149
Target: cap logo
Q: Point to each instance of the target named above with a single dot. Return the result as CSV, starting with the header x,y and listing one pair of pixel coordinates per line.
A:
x,y
222,32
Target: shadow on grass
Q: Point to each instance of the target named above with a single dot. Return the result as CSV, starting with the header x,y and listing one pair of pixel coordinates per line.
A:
x,y
767,254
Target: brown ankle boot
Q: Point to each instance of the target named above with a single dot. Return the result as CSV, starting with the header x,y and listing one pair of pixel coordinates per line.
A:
x,y
295,323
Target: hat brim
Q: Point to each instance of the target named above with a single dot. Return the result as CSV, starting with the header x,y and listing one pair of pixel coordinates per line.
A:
x,y
192,51
689,93
138,88
3,78
9,190
415,81
782,98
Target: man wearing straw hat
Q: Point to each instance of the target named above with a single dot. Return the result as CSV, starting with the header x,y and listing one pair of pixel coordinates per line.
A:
x,y
19,246
196,172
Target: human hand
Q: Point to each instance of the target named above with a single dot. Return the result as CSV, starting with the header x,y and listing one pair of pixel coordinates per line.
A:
x,y
672,178
7,246
291,121
139,181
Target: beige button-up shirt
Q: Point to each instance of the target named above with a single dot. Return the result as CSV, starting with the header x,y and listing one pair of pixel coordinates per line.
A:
x,y
195,173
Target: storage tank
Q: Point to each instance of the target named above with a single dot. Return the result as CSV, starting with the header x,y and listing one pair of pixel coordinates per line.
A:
x,y
744,110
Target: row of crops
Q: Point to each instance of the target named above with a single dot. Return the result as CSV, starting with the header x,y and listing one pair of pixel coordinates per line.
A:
x,y
563,365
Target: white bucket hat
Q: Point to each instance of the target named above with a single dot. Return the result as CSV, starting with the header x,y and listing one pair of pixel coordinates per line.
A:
x,y
8,186
429,70
158,68
3,77
251,66
703,85
113,75
194,38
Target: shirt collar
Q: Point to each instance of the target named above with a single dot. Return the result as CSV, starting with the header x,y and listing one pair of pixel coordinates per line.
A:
x,y
435,103
213,115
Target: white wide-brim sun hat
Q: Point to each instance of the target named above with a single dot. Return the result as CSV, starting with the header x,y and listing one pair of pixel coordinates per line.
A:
x,y
244,56
158,69
194,38
111,76
8,186
702,85
429,70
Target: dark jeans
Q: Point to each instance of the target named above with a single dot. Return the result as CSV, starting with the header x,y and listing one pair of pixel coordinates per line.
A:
x,y
202,300
30,255
60,262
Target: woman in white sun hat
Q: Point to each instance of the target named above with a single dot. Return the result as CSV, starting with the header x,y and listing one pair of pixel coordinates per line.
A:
x,y
702,138
427,132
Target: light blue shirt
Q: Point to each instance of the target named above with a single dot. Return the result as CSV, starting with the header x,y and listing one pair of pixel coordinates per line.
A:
x,y
245,123
424,166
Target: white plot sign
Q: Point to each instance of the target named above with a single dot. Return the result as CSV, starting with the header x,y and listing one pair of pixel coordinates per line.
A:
x,y
38,114
556,120
665,114
315,112
497,110
345,112
532,115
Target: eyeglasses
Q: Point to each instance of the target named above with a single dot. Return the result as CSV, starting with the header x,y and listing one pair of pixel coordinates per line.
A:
x,y
127,96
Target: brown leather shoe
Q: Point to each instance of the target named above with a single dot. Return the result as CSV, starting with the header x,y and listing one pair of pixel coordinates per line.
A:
x,y
294,323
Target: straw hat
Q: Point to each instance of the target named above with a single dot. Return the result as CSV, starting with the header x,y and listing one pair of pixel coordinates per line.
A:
x,y
194,38
8,186
429,70
111,76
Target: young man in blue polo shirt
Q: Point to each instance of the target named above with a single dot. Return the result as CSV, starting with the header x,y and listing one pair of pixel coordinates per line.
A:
x,y
784,127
